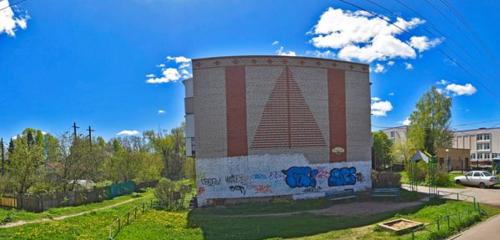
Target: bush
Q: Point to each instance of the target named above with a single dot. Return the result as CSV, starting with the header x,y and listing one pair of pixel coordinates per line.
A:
x,y
386,179
170,194
443,179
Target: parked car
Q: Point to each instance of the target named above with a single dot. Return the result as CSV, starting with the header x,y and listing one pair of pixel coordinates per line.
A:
x,y
477,178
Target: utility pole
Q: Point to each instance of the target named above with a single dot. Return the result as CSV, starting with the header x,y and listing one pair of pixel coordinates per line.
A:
x,y
3,156
74,130
90,136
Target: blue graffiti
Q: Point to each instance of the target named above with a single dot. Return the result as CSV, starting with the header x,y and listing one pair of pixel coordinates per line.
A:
x,y
300,177
343,176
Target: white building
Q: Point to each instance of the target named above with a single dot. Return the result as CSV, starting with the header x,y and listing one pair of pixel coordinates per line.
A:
x,y
484,144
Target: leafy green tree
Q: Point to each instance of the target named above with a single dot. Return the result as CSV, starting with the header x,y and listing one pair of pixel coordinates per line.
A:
x,y
381,150
402,151
172,149
26,160
429,128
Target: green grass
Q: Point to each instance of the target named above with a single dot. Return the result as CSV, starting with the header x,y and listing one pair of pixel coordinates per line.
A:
x,y
17,215
224,223
94,225
450,184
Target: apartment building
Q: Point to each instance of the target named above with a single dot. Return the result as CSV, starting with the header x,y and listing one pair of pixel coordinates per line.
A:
x,y
264,126
484,145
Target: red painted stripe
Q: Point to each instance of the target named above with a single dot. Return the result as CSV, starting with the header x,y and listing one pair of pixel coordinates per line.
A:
x,y
236,111
337,113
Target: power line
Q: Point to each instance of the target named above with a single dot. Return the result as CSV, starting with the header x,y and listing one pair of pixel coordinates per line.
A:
x,y
12,4
439,50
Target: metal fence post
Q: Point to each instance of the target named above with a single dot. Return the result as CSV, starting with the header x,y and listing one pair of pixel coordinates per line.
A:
x,y
438,225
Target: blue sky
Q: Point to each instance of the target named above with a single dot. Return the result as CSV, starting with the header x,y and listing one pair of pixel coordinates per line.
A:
x,y
88,60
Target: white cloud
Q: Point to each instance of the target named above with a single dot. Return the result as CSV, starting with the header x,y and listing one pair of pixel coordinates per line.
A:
x,y
168,75
281,51
460,90
8,21
321,54
275,43
379,68
179,59
363,36
392,94
442,82
422,43
407,122
379,107
408,66
390,63
161,111
128,133
172,74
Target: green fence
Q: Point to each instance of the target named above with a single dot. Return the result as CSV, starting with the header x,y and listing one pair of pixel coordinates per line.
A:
x,y
118,189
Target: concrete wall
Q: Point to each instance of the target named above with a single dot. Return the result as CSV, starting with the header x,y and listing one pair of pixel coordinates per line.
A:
x,y
276,175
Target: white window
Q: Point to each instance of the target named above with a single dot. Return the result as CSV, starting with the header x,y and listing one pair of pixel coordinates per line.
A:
x,y
473,156
487,156
479,156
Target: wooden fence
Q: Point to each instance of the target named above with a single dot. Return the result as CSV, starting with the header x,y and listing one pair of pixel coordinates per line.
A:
x,y
42,202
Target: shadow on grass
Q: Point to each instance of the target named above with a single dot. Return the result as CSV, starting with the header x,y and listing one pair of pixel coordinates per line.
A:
x,y
220,227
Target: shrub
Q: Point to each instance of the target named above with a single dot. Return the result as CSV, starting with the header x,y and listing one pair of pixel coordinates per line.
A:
x,y
443,179
171,194
386,179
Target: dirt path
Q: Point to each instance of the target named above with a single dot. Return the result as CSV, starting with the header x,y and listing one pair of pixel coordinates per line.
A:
x,y
59,218
346,209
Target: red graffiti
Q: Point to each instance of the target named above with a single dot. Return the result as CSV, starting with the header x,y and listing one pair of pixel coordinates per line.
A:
x,y
322,173
201,190
262,189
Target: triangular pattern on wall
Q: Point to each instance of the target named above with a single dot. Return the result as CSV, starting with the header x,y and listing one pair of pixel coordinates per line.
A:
x,y
287,120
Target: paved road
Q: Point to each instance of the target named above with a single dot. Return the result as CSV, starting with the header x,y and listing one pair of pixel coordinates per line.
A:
x,y
487,230
490,196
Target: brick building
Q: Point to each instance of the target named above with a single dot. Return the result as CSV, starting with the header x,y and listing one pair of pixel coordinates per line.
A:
x,y
264,126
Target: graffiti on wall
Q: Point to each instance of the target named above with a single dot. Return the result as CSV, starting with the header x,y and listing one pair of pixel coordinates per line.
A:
x,y
342,176
263,178
210,181
300,177
238,188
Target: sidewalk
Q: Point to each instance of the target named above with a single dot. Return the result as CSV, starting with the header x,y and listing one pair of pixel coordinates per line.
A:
x,y
488,230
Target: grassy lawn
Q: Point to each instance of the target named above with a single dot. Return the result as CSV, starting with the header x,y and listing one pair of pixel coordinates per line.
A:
x,y
17,215
89,226
214,223
451,183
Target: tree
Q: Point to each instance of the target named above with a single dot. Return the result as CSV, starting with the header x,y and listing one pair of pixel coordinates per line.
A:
x,y
26,159
381,150
402,151
172,149
429,128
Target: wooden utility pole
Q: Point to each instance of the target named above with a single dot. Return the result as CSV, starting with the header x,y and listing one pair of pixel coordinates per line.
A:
x,y
74,130
3,156
90,136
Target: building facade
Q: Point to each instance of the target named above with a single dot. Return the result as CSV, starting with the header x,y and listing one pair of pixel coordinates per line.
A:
x,y
484,145
396,133
265,126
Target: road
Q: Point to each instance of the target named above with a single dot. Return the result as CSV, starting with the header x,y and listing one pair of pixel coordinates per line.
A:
x,y
490,196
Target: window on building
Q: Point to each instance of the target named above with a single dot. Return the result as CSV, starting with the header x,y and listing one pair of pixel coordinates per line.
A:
x,y
473,156
393,134
479,137
484,136
487,156
483,146
479,156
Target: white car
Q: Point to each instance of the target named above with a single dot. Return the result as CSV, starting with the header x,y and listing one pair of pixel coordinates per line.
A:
x,y
477,178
